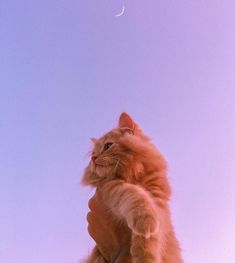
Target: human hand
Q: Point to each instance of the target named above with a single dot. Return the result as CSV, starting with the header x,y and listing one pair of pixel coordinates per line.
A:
x,y
112,238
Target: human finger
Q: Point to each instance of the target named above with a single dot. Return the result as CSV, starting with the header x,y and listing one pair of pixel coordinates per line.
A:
x,y
92,202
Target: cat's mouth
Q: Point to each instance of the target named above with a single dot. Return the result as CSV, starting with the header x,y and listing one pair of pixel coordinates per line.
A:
x,y
101,165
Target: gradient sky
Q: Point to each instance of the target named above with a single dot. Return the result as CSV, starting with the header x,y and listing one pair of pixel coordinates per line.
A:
x,y
68,69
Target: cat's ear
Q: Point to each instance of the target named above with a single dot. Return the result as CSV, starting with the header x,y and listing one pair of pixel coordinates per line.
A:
x,y
94,140
126,122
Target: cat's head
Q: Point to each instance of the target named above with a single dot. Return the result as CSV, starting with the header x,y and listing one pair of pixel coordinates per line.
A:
x,y
124,153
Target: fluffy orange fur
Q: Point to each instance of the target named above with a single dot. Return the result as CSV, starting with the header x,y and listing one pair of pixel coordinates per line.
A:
x,y
133,177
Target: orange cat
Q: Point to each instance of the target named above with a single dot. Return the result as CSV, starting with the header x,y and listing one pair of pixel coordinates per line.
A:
x,y
132,173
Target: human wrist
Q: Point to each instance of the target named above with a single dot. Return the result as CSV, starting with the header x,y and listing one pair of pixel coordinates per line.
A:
x,y
121,256
114,256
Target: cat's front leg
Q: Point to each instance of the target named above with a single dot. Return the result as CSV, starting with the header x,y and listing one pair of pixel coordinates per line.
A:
x,y
134,204
145,250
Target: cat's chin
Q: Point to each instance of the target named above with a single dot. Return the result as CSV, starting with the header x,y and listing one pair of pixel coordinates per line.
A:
x,y
100,176
104,172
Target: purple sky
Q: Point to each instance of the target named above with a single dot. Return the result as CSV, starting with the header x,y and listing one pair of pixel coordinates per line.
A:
x,y
68,69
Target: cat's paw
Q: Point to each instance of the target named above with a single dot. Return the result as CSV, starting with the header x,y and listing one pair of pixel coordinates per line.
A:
x,y
143,224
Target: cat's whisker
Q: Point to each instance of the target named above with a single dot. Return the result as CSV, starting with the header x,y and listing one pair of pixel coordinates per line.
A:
x,y
116,166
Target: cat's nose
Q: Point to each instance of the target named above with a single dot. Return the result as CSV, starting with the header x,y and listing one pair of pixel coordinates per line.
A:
x,y
93,158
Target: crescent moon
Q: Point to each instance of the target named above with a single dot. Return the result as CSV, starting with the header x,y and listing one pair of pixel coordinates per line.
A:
x,y
122,12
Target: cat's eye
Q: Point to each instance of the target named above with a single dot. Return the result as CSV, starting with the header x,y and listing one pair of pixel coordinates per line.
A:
x,y
107,145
